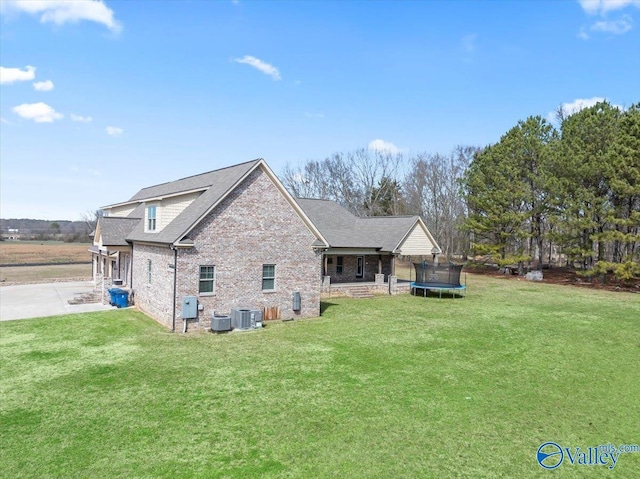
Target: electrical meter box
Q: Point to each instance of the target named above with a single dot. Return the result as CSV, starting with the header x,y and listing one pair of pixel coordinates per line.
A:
x,y
189,307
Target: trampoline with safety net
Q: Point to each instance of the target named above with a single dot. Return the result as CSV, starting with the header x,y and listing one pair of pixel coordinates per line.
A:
x,y
438,277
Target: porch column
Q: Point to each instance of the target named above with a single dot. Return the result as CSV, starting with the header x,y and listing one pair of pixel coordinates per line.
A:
x,y
325,265
326,284
393,285
379,264
393,265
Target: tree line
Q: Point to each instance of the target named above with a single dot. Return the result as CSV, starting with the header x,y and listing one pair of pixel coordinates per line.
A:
x,y
539,194
377,183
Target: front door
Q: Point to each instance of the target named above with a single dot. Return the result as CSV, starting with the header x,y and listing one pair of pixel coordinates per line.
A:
x,y
359,266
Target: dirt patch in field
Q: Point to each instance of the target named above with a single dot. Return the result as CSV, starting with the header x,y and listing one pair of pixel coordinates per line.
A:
x,y
565,276
43,252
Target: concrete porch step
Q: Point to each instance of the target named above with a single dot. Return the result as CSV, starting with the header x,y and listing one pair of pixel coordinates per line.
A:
x,y
361,295
359,292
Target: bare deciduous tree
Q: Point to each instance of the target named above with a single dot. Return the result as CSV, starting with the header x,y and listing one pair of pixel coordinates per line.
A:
x,y
360,180
432,187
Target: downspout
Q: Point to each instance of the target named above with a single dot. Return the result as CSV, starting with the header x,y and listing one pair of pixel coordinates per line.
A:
x,y
131,269
175,287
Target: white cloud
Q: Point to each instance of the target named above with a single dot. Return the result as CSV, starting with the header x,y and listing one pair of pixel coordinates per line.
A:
x,y
46,85
10,75
65,11
80,119
114,131
601,7
314,115
384,147
38,112
579,104
264,67
617,27
469,42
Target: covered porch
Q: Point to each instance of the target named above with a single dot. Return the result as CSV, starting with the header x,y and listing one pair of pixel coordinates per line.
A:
x,y
344,265
112,264
359,273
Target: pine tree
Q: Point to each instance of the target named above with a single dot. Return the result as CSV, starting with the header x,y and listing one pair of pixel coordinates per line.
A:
x,y
584,174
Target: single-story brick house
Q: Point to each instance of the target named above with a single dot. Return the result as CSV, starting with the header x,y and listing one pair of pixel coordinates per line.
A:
x,y
235,238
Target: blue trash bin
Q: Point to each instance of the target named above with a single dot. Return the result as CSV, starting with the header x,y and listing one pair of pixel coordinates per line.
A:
x,y
113,295
122,298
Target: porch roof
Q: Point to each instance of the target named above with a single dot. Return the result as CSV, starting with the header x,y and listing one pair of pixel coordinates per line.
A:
x,y
345,230
113,230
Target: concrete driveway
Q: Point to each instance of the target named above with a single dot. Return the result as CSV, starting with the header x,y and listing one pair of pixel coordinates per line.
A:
x,y
48,299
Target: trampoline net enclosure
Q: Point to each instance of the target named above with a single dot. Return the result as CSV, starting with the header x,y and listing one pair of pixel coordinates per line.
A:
x,y
445,275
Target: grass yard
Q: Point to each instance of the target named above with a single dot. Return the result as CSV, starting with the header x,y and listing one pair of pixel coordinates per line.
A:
x,y
388,387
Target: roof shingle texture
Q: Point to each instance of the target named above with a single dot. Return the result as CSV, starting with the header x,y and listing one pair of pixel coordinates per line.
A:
x,y
114,230
345,230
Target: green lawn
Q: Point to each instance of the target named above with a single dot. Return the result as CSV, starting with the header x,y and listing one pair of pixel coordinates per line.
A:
x,y
386,387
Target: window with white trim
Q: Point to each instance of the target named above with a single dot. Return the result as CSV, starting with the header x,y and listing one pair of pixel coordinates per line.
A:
x,y
268,277
206,283
151,218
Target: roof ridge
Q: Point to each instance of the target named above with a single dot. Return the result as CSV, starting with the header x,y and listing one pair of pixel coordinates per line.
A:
x,y
200,174
390,216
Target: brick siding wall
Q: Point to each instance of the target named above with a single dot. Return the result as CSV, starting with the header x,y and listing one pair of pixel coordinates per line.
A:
x,y
254,225
156,297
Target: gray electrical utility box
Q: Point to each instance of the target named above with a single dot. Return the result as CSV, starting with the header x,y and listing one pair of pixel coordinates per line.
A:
x,y
189,307
297,301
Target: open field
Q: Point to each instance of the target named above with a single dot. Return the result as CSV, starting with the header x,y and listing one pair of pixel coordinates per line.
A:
x,y
400,387
44,274
29,252
19,252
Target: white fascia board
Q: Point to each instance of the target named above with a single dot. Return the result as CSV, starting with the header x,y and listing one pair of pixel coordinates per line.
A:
x,y
354,251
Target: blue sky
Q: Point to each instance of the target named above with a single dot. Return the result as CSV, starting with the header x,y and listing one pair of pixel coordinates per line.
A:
x,y
99,99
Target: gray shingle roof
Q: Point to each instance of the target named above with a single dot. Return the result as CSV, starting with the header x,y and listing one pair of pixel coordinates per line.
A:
x,y
217,182
345,230
337,225
196,182
114,230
